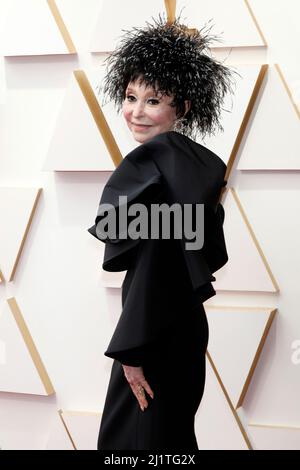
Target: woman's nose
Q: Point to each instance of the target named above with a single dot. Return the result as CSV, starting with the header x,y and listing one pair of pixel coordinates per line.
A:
x,y
138,109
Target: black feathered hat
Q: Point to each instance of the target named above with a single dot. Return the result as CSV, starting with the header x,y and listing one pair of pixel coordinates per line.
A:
x,y
173,60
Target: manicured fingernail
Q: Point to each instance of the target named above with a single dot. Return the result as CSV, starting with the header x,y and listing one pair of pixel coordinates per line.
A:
x,y
151,396
142,408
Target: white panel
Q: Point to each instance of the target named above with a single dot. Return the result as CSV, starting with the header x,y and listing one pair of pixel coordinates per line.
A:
x,y
230,332
25,421
273,138
77,143
234,109
2,82
27,120
80,18
251,275
266,437
231,17
116,121
58,438
18,373
83,428
112,279
215,425
116,15
30,29
15,207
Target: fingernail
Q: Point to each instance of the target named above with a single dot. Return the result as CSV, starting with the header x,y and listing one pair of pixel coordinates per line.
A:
x,y
151,396
142,408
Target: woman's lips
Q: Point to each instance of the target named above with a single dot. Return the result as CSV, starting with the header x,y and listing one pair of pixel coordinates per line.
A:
x,y
141,126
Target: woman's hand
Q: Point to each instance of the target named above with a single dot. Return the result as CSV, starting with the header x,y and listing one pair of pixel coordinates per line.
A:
x,y
137,382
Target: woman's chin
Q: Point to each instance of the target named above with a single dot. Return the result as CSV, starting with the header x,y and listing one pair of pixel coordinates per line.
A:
x,y
142,136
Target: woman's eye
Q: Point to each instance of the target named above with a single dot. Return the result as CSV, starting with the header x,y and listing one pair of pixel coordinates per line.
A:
x,y
155,101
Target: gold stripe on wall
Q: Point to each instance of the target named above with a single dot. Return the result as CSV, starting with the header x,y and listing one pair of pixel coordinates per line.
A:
x,y
256,23
98,116
275,426
238,202
246,118
271,312
60,412
236,416
170,6
256,357
288,90
25,234
64,414
61,26
36,358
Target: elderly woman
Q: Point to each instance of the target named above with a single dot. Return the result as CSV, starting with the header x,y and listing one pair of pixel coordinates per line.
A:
x,y
169,91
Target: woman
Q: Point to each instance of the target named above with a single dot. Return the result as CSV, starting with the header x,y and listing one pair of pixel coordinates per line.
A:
x,y
168,90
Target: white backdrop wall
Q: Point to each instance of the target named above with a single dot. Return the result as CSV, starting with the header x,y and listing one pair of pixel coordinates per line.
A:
x,y
58,283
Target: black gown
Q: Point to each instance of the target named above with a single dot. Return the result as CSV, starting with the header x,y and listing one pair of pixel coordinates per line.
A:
x,y
163,326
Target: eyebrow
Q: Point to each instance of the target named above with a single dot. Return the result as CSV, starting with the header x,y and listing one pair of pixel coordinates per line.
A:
x,y
148,93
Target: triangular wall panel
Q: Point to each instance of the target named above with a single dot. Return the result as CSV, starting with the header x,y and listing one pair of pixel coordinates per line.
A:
x,y
82,140
274,437
254,273
273,139
216,425
34,28
242,33
21,367
230,343
236,113
17,208
115,16
82,428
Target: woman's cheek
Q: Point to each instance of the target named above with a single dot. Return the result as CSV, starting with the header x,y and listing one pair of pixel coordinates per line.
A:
x,y
126,115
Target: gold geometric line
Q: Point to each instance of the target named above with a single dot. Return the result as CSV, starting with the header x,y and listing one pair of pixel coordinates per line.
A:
x,y
25,233
36,358
170,6
288,90
246,118
245,309
276,426
60,412
251,231
171,14
74,413
256,23
98,116
81,413
236,416
256,358
61,26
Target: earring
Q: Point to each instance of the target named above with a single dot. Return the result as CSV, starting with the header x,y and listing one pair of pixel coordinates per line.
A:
x,y
178,124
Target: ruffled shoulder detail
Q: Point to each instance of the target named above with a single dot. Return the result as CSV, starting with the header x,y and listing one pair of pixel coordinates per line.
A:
x,y
139,179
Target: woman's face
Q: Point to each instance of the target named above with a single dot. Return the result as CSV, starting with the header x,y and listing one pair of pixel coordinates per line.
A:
x,y
147,113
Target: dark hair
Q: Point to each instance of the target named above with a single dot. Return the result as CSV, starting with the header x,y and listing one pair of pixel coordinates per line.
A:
x,y
171,59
